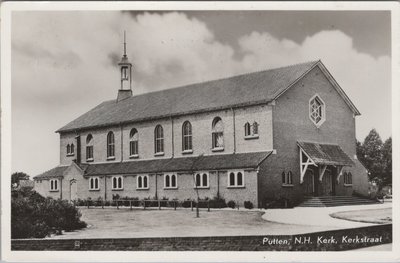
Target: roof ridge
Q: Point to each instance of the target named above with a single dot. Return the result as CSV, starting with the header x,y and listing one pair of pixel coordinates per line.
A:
x,y
222,78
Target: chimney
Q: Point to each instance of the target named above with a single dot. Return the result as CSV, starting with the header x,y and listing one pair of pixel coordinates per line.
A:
x,y
78,149
124,94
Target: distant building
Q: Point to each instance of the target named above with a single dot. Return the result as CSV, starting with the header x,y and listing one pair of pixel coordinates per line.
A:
x,y
281,133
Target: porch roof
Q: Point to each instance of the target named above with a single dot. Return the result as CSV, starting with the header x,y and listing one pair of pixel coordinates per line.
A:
x,y
326,154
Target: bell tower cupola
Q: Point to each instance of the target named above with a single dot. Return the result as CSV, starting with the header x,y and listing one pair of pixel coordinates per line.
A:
x,y
125,68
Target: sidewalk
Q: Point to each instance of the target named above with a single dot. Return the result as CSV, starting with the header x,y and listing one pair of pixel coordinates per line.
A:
x,y
319,216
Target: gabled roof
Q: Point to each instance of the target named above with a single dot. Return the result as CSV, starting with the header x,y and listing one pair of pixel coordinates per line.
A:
x,y
184,164
248,89
325,154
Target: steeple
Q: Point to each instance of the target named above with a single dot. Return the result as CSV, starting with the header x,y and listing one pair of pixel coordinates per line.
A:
x,y
125,67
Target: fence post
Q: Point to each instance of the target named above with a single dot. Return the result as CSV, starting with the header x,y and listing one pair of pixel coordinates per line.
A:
x,y
117,204
174,205
191,205
87,202
144,204
130,204
102,204
208,205
159,205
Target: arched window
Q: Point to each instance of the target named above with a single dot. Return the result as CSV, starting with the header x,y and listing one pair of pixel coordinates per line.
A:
x,y
317,110
198,180
205,180
247,130
159,139
167,181
72,149
236,179
68,149
217,134
110,145
255,128
134,143
54,185
89,148
348,180
142,182
187,136
173,181
287,178
117,183
231,179
94,183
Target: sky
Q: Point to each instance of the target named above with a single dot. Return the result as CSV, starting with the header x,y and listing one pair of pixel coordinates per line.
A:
x,y
64,63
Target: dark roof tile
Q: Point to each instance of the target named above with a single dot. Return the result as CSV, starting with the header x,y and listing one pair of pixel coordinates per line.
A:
x,y
326,154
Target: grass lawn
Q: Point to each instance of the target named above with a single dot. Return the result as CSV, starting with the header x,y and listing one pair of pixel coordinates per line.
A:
x,y
377,216
125,223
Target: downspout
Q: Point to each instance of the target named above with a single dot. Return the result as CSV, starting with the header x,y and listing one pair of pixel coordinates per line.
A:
x,y
122,143
173,148
156,175
105,188
61,189
218,184
234,131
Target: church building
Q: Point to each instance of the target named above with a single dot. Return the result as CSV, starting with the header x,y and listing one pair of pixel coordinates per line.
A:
x,y
286,133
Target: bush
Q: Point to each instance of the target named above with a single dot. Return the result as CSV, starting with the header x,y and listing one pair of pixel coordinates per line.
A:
x,y
187,203
33,216
278,203
217,202
248,205
231,204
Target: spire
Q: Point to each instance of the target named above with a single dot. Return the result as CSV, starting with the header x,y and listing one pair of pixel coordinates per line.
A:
x,y
124,43
125,67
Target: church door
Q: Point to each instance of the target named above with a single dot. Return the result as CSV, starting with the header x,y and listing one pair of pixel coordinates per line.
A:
x,y
73,190
308,183
326,186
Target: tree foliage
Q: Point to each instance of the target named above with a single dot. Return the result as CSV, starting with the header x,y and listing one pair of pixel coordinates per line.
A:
x,y
376,157
17,176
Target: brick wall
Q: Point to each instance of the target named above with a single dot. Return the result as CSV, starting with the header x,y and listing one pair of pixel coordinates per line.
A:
x,y
291,123
214,243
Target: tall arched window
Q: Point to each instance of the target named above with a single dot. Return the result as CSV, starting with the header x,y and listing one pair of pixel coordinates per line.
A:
x,y
110,145
187,136
217,134
72,149
68,149
89,148
255,128
117,183
159,139
198,180
134,143
232,179
167,184
247,130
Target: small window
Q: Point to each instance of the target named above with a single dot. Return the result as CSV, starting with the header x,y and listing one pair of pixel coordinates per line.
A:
x,y
348,178
110,145
89,148
142,182
70,149
117,183
170,181
251,130
287,178
134,143
187,136
54,185
235,179
201,180
124,73
317,110
94,183
159,140
217,134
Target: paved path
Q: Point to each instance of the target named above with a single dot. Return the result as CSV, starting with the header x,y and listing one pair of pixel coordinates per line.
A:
x,y
319,216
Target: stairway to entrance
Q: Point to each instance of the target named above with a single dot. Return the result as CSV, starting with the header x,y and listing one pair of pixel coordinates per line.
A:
x,y
329,201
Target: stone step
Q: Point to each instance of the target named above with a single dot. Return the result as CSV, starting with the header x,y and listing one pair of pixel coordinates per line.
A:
x,y
329,201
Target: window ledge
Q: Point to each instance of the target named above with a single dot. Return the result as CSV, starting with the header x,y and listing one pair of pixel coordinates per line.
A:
x,y
171,188
54,190
134,156
117,189
70,154
89,160
236,187
142,189
219,149
202,187
110,158
187,151
94,190
159,154
287,185
251,137
348,184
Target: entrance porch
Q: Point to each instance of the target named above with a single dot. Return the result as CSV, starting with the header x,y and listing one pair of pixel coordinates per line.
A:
x,y
321,166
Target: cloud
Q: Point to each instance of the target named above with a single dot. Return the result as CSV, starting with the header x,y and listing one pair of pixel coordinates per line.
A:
x,y
64,63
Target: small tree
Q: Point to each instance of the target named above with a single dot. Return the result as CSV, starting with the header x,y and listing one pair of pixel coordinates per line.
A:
x,y
18,176
387,161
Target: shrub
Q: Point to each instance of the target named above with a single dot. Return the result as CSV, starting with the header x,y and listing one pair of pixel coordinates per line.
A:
x,y
248,205
187,203
231,204
217,202
278,203
33,216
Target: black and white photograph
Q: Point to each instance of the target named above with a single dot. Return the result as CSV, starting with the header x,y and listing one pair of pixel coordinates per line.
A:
x,y
211,127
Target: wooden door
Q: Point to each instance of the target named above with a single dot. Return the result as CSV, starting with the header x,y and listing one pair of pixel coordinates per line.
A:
x,y
308,183
326,185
